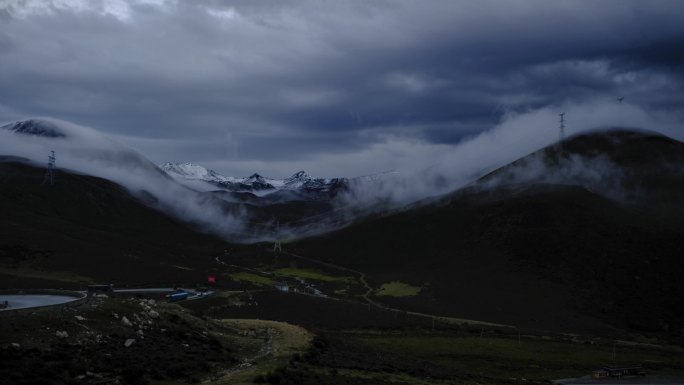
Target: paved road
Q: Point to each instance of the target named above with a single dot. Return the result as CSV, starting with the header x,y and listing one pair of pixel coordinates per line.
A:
x,y
159,290
24,301
193,294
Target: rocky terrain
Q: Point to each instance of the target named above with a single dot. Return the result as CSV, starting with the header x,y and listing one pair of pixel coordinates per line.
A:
x,y
126,341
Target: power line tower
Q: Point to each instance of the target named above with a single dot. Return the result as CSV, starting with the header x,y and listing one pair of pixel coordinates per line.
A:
x,y
277,246
50,171
562,127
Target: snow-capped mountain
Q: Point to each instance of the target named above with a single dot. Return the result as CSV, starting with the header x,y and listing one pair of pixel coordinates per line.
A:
x,y
195,172
303,180
192,173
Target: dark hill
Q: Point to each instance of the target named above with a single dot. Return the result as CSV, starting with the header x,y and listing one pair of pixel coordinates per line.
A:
x,y
573,237
92,228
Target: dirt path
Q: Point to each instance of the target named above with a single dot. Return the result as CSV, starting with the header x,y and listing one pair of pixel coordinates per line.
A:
x,y
281,342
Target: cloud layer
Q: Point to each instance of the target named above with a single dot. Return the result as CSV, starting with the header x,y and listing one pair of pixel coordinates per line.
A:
x,y
335,88
84,150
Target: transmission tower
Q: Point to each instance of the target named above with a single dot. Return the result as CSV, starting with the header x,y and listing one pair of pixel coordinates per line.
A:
x,y
50,171
277,246
562,127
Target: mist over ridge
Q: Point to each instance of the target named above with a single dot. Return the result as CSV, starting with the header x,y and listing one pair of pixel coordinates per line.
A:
x,y
87,151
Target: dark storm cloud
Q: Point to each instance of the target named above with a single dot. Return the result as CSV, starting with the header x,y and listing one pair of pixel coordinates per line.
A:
x,y
242,84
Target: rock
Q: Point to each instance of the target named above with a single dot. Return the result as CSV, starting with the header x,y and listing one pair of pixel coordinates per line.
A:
x,y
140,332
153,314
115,315
61,334
151,302
125,321
79,318
129,342
15,345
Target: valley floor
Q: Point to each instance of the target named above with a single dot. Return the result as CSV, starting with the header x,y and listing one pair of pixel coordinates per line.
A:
x,y
215,340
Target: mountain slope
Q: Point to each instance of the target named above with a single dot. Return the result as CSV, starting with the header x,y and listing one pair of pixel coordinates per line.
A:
x,y
530,245
92,228
89,152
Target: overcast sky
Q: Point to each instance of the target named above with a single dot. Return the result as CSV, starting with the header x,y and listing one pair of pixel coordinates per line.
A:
x,y
337,88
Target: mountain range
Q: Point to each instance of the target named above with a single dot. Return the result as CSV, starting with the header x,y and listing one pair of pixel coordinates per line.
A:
x,y
581,235
190,173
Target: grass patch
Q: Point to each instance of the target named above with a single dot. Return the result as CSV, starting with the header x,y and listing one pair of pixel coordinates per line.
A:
x,y
287,341
506,358
311,274
371,376
397,289
252,278
63,276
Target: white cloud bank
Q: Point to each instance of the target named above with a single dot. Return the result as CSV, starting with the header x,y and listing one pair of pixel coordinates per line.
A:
x,y
87,151
424,170
517,135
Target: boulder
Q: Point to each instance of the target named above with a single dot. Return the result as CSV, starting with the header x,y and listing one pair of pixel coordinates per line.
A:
x,y
61,334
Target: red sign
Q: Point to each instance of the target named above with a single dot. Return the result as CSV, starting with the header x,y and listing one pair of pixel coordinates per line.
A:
x,y
211,278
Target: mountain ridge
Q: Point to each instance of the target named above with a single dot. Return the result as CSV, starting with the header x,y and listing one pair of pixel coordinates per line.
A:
x,y
537,243
253,183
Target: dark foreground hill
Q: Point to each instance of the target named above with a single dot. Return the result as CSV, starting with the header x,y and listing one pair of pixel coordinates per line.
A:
x,y
92,230
584,236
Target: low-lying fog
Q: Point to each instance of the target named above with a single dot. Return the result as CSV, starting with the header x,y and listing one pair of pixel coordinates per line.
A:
x,y
87,151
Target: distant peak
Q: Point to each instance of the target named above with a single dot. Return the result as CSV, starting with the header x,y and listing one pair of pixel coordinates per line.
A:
x,y
35,127
300,175
182,166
